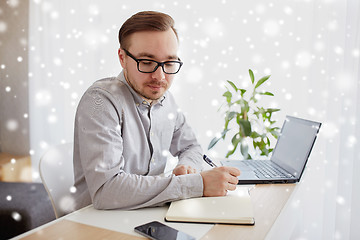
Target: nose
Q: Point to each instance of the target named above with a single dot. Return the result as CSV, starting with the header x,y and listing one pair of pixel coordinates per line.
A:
x,y
159,74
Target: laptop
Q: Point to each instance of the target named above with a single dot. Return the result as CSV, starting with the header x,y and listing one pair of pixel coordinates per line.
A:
x,y
288,159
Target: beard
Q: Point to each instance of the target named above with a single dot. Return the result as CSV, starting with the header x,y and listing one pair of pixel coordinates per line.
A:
x,y
152,95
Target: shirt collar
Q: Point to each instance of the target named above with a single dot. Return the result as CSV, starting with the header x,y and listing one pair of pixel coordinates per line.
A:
x,y
139,99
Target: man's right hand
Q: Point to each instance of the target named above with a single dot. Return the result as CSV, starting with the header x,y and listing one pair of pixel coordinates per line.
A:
x,y
218,181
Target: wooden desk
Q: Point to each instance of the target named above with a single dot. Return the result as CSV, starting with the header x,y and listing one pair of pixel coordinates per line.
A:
x,y
66,229
268,201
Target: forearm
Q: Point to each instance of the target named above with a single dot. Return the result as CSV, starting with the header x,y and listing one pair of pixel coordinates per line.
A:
x,y
129,191
192,156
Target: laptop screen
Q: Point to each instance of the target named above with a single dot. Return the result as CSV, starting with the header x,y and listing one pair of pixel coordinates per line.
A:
x,y
294,144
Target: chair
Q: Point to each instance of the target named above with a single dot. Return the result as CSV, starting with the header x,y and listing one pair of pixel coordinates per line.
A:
x,y
56,172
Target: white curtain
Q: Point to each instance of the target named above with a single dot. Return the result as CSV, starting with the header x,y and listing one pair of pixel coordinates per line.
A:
x,y
311,48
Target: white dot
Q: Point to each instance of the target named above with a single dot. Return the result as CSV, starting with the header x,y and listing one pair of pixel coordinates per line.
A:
x,y
35,175
13,161
19,59
73,189
171,116
8,89
288,10
13,3
43,98
311,111
340,200
267,71
16,216
3,66
12,125
194,75
351,141
74,95
54,15
285,64
43,145
8,197
3,26
67,204
356,53
52,119
288,96
214,102
338,50
303,59
57,61
271,28
333,25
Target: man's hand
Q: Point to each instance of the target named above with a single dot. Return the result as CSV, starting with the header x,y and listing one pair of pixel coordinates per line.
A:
x,y
183,169
218,181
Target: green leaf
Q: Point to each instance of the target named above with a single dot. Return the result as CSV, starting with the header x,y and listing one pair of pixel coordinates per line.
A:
x,y
236,139
266,93
254,135
229,116
233,85
246,126
215,140
228,96
242,92
235,142
271,110
244,148
251,76
261,81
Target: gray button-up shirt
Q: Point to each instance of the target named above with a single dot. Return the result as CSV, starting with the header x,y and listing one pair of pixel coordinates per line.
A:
x,y
120,147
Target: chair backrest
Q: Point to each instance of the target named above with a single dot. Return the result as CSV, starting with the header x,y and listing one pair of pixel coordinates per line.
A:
x,y
56,172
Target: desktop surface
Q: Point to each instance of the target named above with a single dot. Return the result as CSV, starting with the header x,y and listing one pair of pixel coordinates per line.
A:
x,y
268,201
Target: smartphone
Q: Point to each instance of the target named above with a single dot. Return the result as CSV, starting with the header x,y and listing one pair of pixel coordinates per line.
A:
x,y
157,231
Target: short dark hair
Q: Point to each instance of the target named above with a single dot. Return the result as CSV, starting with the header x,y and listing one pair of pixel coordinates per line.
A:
x,y
145,21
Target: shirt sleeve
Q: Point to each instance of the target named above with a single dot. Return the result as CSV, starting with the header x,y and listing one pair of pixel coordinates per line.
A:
x,y
100,146
184,144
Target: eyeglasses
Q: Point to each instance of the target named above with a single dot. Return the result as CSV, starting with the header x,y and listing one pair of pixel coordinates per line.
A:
x,y
150,66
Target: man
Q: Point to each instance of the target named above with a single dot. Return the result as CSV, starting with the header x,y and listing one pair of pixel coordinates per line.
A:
x,y
124,127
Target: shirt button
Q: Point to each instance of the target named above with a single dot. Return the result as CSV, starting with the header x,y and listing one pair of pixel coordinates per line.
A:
x,y
152,160
151,133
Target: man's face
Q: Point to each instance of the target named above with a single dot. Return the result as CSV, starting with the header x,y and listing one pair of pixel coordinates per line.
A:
x,y
158,46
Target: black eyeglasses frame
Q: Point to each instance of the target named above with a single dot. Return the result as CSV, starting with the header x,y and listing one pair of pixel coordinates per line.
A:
x,y
138,60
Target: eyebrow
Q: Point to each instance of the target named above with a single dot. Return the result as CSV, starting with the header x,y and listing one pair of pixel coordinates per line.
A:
x,y
144,54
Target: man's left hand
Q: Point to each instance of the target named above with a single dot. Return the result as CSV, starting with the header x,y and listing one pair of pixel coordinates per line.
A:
x,y
183,169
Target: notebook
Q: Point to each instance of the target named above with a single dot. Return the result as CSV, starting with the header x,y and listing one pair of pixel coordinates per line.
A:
x,y
234,208
288,159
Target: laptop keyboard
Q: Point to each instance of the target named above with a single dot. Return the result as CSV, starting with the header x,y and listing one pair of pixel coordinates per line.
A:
x,y
264,169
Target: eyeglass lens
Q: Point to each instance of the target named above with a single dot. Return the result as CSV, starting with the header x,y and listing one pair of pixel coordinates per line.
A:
x,y
151,66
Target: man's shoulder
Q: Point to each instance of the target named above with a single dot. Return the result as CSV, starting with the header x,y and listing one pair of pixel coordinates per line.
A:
x,y
110,85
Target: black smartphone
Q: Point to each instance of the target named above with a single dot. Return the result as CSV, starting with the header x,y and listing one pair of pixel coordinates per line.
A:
x,y
157,231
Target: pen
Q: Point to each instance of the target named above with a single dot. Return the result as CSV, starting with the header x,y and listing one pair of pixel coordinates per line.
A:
x,y
208,161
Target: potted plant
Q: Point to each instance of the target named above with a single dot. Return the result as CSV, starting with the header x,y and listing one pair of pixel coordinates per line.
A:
x,y
253,122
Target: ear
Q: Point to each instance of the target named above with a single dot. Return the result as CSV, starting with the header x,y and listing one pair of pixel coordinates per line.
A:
x,y
122,55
